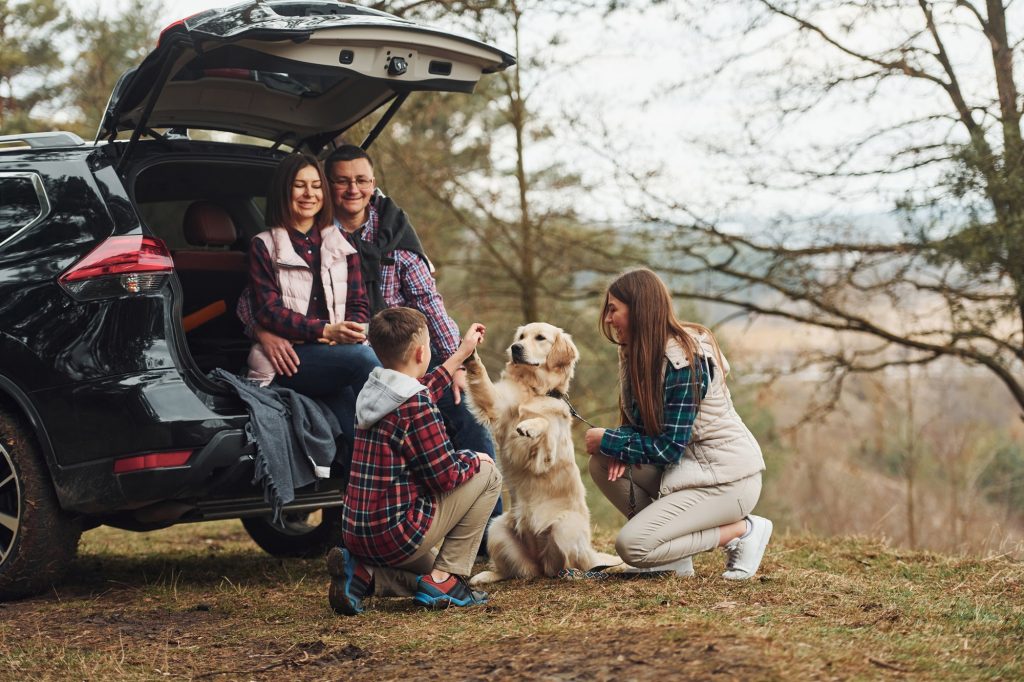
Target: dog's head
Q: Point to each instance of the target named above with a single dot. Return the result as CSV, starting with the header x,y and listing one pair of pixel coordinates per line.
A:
x,y
544,352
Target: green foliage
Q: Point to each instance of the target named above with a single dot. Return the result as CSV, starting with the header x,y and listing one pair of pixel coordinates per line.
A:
x,y
991,240
30,32
43,87
1003,479
109,45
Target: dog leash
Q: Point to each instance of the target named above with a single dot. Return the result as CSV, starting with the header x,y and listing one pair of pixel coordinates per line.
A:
x,y
629,467
572,410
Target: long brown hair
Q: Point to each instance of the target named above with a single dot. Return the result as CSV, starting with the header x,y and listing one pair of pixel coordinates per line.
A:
x,y
652,322
279,198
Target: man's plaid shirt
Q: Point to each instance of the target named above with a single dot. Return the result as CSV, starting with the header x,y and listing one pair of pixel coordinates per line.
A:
x,y
632,445
407,282
400,466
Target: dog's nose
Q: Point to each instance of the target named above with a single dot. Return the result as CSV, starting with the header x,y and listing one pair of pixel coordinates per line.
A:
x,y
517,351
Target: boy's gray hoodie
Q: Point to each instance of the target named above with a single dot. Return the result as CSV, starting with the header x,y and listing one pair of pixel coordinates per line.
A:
x,y
383,392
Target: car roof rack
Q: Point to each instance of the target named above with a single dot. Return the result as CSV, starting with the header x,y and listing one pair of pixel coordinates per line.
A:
x,y
56,138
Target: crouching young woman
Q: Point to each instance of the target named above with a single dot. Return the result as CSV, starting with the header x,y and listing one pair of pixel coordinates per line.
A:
x,y
682,467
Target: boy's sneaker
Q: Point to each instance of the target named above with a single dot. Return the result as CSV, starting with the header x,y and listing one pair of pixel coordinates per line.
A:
x,y
351,582
743,555
454,591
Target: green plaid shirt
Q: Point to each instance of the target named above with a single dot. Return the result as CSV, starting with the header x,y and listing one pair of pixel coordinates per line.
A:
x,y
632,445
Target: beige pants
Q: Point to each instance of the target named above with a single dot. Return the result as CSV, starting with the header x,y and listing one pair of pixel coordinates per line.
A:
x,y
460,518
677,525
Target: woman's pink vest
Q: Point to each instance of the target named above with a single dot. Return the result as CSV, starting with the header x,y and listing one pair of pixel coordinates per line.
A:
x,y
295,279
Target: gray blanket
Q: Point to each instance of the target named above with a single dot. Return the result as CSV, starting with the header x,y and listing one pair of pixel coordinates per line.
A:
x,y
293,437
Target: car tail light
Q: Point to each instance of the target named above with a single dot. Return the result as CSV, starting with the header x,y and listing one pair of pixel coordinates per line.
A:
x,y
180,24
154,460
129,264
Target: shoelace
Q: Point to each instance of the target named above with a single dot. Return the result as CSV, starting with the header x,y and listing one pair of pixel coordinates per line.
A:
x,y
732,552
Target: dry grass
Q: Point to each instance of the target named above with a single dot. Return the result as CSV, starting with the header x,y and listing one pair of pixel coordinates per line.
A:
x,y
202,602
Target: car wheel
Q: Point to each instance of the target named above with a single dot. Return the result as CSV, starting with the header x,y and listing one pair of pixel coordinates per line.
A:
x,y
37,539
304,535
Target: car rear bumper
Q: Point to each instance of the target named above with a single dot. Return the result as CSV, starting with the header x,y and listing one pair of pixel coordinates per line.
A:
x,y
90,426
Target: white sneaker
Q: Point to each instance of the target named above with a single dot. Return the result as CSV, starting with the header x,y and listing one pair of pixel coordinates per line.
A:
x,y
743,555
683,568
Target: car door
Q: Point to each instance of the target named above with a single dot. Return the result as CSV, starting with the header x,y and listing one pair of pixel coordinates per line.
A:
x,y
296,73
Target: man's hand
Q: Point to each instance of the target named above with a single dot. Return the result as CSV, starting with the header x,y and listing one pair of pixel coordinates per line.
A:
x,y
458,384
344,332
280,351
484,457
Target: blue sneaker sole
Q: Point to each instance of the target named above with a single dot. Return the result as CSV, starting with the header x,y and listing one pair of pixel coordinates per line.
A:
x,y
443,601
341,569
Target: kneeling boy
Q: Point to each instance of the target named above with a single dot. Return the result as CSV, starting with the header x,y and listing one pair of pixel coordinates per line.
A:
x,y
409,490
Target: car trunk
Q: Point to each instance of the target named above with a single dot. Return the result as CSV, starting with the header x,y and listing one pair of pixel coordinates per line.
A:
x,y
206,207
295,73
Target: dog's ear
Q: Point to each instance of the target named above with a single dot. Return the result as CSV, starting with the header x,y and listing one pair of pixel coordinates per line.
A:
x,y
563,353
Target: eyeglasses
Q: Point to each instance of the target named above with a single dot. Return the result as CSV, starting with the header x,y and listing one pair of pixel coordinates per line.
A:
x,y
360,182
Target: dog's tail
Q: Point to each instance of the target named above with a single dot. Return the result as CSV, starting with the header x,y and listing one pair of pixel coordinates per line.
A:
x,y
604,561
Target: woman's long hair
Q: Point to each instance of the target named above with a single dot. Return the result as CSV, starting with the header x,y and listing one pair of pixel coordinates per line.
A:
x,y
279,198
652,322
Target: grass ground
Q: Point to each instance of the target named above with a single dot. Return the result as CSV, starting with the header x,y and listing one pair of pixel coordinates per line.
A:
x,y
203,603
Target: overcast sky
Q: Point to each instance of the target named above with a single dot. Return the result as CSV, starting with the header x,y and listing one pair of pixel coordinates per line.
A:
x,y
616,76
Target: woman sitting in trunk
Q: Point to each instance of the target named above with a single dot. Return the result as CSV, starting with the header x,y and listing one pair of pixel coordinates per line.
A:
x,y
307,286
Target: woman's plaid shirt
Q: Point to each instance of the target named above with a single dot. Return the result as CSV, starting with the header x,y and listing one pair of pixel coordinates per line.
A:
x,y
400,466
632,445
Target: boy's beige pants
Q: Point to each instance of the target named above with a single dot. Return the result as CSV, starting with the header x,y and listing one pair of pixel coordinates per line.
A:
x,y
460,518
680,524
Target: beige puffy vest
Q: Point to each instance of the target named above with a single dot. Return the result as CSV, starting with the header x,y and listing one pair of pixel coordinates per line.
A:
x,y
721,448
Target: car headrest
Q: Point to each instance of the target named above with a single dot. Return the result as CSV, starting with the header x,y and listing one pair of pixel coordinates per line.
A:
x,y
208,224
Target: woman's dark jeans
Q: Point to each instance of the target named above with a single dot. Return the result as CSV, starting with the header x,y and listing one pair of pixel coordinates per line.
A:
x,y
335,375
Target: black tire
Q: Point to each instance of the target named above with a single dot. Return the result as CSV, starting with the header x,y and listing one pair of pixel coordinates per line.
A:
x,y
301,536
37,540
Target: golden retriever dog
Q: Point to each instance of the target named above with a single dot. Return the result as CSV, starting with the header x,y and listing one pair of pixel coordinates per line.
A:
x,y
547,528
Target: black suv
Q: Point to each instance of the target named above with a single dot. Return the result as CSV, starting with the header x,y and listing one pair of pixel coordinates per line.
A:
x,y
121,262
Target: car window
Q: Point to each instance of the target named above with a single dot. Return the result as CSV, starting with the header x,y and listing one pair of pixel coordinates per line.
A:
x,y
21,202
166,218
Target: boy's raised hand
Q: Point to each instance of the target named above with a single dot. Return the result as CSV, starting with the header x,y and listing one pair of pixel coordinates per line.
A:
x,y
473,337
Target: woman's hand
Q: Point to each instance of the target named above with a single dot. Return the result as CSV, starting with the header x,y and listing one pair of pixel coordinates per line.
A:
x,y
345,332
593,441
616,469
279,349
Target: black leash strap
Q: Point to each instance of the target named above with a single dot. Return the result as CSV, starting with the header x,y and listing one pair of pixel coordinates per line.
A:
x,y
572,410
629,468
632,492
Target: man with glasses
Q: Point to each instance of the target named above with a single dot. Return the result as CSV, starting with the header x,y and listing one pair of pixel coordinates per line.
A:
x,y
396,272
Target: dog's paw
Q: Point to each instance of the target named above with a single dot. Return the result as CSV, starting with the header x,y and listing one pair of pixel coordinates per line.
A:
x,y
531,428
485,577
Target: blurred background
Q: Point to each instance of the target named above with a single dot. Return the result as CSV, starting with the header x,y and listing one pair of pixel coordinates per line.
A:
x,y
835,188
